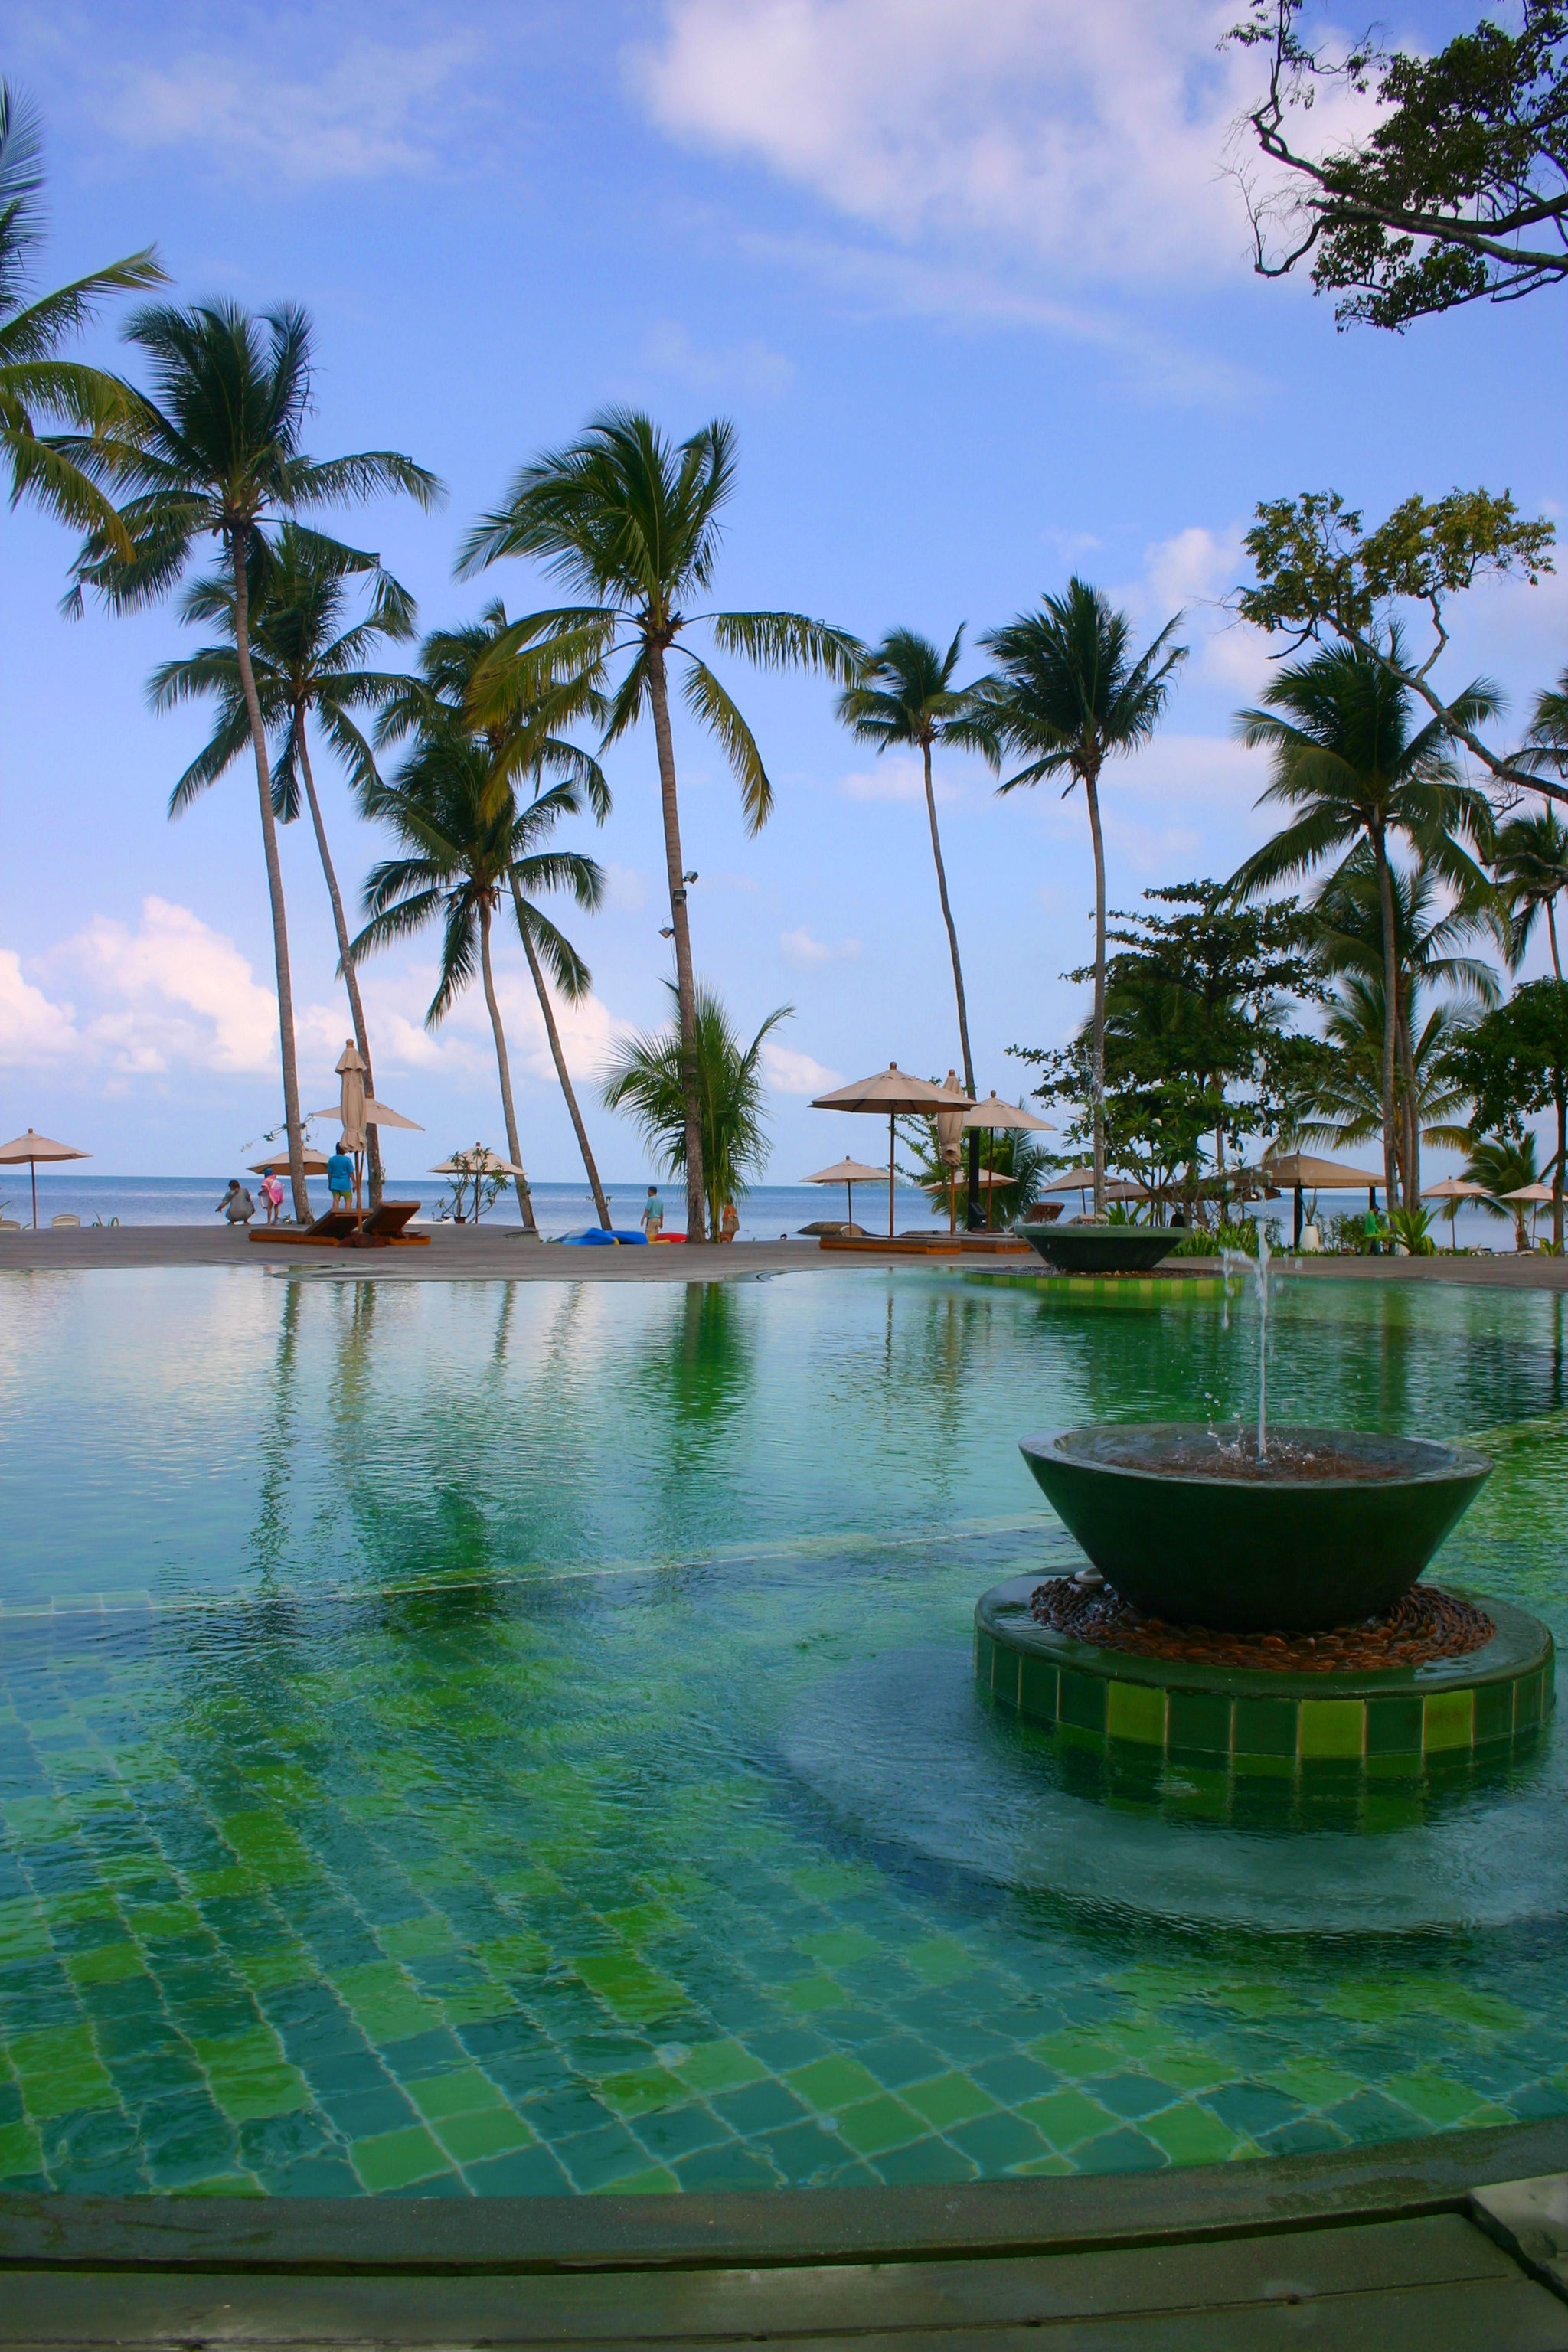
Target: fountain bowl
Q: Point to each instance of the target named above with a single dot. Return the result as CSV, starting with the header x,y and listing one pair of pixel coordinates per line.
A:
x,y
1100,1249
1332,1527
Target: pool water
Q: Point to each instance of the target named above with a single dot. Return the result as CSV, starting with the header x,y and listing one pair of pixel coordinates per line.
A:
x,y
395,1767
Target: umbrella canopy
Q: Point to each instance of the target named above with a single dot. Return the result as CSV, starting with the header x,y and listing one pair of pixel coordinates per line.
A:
x,y
890,1091
1122,1188
1300,1170
845,1171
1525,1193
315,1163
27,1150
987,1177
1071,1180
849,1172
993,1113
1455,1188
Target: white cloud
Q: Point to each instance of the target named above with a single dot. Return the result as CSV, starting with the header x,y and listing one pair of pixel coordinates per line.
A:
x,y
627,887
801,949
899,777
1089,136
1194,571
171,990
791,1072
369,113
670,350
33,1028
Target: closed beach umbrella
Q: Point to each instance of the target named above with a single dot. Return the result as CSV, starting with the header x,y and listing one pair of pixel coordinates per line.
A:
x,y
30,1149
847,1172
893,1091
355,1110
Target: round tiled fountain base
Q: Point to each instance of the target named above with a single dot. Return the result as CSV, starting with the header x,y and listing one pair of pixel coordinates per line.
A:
x,y
1390,1721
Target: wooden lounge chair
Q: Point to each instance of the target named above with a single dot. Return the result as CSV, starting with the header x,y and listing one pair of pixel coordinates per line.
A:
x,y
342,1229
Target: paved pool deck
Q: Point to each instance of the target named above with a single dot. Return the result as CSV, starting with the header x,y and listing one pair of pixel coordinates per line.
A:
x,y
482,1252
1457,2243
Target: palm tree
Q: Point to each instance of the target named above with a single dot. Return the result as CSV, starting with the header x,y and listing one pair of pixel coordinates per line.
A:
x,y
35,380
216,454
632,522
904,696
453,805
1348,762
1504,1164
1426,935
648,1078
1068,694
1530,863
540,682
308,662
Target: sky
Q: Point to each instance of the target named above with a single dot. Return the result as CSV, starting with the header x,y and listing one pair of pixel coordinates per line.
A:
x,y
974,286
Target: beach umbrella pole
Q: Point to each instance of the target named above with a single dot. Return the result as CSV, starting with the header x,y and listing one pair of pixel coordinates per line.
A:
x,y
33,1172
892,1124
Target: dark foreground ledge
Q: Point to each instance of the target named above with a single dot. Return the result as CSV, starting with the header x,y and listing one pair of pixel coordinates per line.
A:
x,y
1416,2244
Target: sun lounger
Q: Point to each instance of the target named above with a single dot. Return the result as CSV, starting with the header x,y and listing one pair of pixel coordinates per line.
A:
x,y
342,1229
66,1217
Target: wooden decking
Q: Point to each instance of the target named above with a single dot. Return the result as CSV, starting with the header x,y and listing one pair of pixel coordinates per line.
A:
x,y
1455,2245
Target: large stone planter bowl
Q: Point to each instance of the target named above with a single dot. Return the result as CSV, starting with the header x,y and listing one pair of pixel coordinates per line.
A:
x,y
1100,1249
1280,1550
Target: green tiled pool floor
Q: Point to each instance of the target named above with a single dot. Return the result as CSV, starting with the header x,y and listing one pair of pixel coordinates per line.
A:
x,y
415,1870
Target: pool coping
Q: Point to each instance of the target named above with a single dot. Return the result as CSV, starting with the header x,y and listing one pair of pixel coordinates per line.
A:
x,y
770,2228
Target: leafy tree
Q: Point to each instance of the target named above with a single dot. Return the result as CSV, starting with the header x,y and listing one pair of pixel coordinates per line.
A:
x,y
35,382
1459,192
904,696
469,841
632,522
1349,763
542,682
216,454
647,1078
1514,1062
307,660
1067,694
1322,578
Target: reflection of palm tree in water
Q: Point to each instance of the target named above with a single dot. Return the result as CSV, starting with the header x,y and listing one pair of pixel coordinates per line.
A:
x,y
269,1536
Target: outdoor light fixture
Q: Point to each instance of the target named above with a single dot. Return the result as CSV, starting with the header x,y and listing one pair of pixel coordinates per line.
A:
x,y
666,932
688,877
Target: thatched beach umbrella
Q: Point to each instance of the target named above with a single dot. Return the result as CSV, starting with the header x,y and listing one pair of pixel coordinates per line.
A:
x,y
893,1091
29,1150
1451,1191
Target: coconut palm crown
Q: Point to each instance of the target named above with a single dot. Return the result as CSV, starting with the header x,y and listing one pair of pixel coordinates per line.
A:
x,y
1068,693
630,520
215,452
35,382
1357,773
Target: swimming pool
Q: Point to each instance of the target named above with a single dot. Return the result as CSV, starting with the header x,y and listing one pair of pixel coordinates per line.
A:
x,y
396,1770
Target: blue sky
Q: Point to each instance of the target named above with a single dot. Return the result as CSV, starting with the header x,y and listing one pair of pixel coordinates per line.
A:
x,y
974,286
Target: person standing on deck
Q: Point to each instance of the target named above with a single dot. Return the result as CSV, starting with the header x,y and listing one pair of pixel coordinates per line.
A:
x,y
652,1218
340,1175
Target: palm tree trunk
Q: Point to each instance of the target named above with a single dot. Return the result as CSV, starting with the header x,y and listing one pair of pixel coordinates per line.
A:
x,y
1552,935
558,1057
524,1199
1390,1017
1097,1071
1560,1094
685,978
350,977
274,884
972,1216
1412,1116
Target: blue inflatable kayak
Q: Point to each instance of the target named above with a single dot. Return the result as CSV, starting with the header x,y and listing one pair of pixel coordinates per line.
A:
x,y
595,1237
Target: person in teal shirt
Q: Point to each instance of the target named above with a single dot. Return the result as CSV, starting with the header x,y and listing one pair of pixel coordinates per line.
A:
x,y
340,1175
